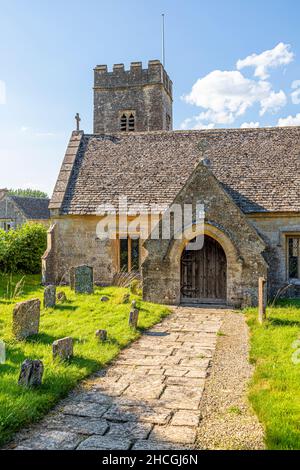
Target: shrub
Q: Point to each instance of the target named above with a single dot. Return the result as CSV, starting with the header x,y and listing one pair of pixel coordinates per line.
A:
x,y
21,249
135,287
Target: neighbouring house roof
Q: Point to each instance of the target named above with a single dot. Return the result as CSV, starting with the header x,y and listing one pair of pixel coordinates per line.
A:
x,y
33,208
258,168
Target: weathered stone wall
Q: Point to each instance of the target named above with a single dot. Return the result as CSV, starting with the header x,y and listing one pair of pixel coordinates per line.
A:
x,y
223,221
250,243
10,212
146,92
274,230
72,241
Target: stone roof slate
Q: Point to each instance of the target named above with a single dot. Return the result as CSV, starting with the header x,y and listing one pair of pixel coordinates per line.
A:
x,y
258,168
33,208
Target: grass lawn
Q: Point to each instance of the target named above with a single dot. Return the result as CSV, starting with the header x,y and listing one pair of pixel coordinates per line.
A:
x,y
275,388
79,317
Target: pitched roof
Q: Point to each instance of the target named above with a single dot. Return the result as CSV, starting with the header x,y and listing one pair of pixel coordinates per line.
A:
x,y
259,168
32,207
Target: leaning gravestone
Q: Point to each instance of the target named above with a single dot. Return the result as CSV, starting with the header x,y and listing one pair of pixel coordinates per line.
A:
x,y
2,352
84,280
63,348
49,297
134,315
31,373
26,318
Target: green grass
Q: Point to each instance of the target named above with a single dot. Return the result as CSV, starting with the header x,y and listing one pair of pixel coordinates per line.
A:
x,y
79,318
275,388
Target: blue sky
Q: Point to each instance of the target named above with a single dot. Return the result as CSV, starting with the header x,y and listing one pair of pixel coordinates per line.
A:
x,y
48,50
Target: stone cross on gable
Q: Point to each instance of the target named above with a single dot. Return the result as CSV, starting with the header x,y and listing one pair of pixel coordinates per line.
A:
x,y
78,119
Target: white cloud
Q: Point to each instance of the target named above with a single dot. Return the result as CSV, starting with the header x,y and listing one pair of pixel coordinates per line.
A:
x,y
273,102
289,121
2,92
195,123
295,95
226,95
201,125
185,124
249,125
280,55
227,92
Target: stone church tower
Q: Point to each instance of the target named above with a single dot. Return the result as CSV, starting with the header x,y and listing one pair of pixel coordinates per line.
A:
x,y
132,100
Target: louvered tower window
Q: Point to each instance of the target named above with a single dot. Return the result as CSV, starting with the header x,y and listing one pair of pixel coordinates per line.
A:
x,y
123,123
131,122
127,121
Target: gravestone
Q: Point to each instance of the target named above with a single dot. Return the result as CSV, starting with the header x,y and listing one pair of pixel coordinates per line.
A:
x,y
133,315
49,297
61,297
84,280
2,352
101,335
262,299
26,318
31,373
63,348
72,278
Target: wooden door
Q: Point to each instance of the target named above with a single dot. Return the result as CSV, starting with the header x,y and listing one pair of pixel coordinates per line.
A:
x,y
203,274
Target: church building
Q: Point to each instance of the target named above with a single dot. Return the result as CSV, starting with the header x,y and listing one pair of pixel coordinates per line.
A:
x,y
247,180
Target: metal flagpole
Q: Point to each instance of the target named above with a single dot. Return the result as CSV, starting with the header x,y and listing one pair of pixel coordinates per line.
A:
x,y
163,39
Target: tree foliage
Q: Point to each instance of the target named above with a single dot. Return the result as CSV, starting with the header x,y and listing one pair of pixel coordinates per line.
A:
x,y
21,249
28,193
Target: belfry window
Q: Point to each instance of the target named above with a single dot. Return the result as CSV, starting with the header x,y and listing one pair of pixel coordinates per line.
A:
x,y
131,122
123,123
127,121
293,257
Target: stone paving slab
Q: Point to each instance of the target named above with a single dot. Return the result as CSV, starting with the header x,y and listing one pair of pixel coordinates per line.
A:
x,y
186,418
90,410
157,445
149,398
180,434
82,425
52,440
104,443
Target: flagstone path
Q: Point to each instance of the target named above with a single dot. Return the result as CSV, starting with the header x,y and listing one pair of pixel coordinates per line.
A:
x,y
149,398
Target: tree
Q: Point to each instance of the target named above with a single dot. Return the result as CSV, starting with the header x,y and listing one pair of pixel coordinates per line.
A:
x,y
28,193
21,249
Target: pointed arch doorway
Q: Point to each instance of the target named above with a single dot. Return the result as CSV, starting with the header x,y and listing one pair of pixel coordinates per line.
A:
x,y
204,274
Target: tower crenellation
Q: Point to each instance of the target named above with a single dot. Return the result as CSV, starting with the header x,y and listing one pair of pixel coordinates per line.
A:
x,y
132,100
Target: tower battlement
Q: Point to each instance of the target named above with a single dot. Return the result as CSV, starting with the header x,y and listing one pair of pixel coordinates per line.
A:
x,y
137,99
135,76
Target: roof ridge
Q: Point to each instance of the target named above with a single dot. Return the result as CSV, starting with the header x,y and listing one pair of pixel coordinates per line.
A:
x,y
29,197
198,131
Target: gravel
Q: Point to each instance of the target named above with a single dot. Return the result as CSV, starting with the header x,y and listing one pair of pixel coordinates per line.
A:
x,y
228,421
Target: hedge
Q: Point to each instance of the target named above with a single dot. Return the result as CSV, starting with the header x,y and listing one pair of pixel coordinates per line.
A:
x,y
21,249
